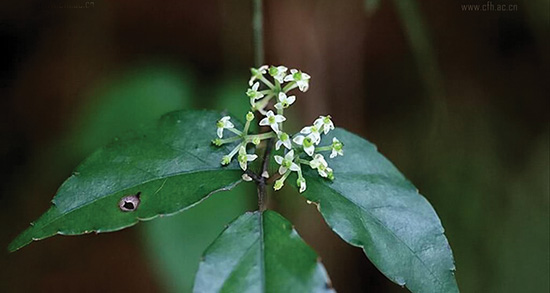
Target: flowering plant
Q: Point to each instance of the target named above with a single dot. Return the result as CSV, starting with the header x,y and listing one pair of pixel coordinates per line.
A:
x,y
300,150
173,166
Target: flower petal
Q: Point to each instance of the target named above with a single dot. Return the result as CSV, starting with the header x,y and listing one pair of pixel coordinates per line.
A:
x,y
294,167
298,139
309,150
264,122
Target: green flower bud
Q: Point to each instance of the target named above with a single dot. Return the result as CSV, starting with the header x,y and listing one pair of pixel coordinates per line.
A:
x,y
226,160
256,141
217,142
278,184
273,70
330,175
249,116
337,145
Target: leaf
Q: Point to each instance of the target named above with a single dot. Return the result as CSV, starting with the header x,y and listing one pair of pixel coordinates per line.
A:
x,y
175,244
261,252
172,167
371,205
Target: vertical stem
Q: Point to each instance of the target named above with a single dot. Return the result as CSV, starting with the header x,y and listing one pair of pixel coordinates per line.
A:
x,y
257,26
262,183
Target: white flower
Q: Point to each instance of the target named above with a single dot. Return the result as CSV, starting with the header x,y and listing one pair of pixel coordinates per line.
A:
x,y
284,101
314,132
306,143
301,79
278,73
321,165
257,73
272,120
301,182
287,163
222,124
284,139
245,177
244,158
337,148
325,122
253,92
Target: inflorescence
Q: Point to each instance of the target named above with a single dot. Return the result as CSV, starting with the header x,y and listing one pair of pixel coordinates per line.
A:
x,y
300,149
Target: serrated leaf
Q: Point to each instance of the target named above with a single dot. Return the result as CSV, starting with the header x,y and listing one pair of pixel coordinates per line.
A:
x,y
172,167
261,252
370,204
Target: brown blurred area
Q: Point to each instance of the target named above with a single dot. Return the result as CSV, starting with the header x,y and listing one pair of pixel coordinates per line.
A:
x,y
473,137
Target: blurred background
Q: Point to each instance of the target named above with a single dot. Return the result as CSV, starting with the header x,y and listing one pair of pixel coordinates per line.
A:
x,y
458,99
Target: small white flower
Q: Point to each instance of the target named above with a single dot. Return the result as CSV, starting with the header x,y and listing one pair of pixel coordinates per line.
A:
x,y
284,139
245,177
301,79
301,182
222,124
272,120
325,123
321,165
278,73
314,132
306,143
337,148
253,92
284,101
257,73
287,163
244,158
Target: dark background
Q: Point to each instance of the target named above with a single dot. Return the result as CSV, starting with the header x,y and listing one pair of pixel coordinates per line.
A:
x,y
458,100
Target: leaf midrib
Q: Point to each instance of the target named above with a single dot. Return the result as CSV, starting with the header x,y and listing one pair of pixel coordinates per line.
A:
x,y
165,177
106,196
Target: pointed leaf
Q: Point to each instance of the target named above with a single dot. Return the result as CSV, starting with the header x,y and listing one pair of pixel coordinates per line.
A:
x,y
261,252
167,168
371,205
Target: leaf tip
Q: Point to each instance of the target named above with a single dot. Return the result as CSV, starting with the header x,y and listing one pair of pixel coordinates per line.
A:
x,y
18,243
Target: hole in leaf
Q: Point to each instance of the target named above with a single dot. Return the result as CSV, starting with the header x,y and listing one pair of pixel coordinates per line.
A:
x,y
129,203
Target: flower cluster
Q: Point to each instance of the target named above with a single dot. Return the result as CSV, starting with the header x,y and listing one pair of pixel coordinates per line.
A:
x,y
298,150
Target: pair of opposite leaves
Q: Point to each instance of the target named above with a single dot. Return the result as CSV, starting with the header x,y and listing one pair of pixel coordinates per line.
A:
x,y
173,166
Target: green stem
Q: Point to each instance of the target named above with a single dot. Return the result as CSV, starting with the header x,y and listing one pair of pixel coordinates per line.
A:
x,y
324,148
231,139
261,104
302,161
237,132
261,136
246,126
234,151
257,26
290,86
267,82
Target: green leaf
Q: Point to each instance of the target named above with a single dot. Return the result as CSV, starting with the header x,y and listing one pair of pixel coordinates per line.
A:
x,y
371,205
175,244
172,167
261,252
